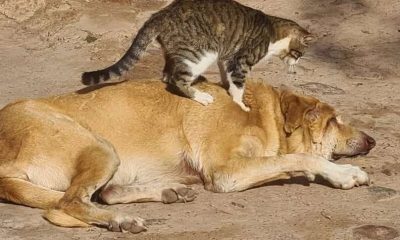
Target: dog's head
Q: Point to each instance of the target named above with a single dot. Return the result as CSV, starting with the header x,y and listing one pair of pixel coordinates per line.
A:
x,y
314,127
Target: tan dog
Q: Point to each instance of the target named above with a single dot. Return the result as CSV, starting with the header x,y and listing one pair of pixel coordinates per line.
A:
x,y
135,142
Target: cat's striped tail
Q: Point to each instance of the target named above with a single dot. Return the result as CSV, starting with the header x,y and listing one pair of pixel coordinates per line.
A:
x,y
145,36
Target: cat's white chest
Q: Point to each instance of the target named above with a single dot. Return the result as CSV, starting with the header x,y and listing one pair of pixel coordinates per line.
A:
x,y
276,48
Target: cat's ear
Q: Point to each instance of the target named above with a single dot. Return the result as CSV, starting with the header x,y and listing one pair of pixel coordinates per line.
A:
x,y
307,39
303,35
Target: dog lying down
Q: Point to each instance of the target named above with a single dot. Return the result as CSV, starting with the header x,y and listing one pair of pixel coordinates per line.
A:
x,y
136,142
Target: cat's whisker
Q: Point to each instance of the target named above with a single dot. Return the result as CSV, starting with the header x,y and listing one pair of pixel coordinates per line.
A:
x,y
292,69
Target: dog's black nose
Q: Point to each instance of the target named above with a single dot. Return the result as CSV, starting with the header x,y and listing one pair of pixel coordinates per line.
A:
x,y
370,143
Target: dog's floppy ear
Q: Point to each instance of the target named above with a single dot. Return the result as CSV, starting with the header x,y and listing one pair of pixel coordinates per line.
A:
x,y
317,119
311,118
294,109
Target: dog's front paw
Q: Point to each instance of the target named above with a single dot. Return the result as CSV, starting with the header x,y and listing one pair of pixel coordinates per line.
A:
x,y
180,194
347,176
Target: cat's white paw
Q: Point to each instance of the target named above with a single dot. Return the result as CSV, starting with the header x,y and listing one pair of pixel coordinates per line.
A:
x,y
203,98
346,176
243,106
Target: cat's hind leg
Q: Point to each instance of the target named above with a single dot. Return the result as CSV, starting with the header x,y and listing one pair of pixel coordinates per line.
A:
x,y
223,74
183,72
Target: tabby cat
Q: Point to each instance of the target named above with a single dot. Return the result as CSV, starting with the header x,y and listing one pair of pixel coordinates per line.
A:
x,y
195,33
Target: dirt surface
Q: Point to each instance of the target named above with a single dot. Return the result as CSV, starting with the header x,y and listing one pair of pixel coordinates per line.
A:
x,y
354,65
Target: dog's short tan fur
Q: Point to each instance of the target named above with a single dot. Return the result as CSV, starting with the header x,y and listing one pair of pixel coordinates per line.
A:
x,y
135,142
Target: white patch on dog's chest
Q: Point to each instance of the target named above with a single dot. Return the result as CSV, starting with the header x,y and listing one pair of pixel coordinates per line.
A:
x,y
201,66
275,49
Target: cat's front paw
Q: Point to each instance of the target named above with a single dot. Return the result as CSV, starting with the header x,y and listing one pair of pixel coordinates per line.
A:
x,y
243,106
203,98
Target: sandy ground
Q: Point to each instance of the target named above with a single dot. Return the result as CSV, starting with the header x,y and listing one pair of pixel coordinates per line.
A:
x,y
354,65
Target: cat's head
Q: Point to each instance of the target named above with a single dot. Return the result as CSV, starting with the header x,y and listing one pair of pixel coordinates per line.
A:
x,y
299,41
291,43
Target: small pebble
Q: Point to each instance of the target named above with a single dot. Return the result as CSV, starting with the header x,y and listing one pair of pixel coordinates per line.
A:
x,y
237,204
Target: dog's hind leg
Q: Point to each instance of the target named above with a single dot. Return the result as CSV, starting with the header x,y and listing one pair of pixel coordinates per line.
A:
x,y
242,173
54,151
151,192
96,165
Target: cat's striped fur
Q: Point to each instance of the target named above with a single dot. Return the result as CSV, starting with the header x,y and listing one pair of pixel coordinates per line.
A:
x,y
195,33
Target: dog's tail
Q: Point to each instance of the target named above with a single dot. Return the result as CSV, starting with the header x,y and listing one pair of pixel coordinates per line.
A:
x,y
147,34
23,192
60,218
